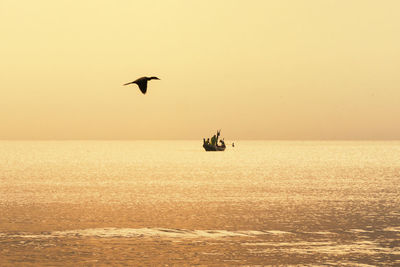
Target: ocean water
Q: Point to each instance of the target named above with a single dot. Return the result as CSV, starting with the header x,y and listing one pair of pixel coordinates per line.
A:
x,y
171,203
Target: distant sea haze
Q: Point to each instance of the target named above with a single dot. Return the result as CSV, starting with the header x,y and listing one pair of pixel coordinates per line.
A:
x,y
170,202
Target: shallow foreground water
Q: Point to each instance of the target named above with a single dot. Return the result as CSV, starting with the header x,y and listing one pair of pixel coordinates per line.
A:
x,y
169,202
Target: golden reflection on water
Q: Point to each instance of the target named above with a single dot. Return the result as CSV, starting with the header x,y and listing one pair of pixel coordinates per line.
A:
x,y
260,202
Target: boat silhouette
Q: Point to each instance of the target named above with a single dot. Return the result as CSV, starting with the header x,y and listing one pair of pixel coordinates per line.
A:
x,y
213,144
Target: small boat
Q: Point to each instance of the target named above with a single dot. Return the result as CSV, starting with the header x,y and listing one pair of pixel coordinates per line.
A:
x,y
213,145
209,147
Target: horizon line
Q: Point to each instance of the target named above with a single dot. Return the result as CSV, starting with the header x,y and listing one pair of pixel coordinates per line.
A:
x,y
187,139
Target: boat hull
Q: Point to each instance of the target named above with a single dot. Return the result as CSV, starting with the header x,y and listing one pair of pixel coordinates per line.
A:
x,y
213,148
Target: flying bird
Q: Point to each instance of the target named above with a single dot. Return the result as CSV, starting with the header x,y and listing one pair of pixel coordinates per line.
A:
x,y
142,83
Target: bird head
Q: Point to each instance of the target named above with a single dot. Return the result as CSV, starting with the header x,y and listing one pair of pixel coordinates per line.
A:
x,y
154,78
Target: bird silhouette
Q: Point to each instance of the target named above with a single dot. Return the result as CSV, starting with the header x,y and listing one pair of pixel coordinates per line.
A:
x,y
142,83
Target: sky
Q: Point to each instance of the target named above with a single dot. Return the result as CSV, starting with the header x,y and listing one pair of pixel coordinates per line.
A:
x,y
259,69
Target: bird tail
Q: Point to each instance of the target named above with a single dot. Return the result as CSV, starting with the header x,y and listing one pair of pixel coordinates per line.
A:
x,y
127,83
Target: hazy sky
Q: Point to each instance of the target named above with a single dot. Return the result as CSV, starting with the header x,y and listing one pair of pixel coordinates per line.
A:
x,y
262,69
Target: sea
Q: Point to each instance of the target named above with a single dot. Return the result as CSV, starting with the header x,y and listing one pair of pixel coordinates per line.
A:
x,y
170,203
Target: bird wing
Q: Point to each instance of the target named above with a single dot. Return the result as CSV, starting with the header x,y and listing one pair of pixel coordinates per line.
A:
x,y
142,85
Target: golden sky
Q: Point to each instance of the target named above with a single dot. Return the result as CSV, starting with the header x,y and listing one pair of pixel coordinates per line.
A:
x,y
261,69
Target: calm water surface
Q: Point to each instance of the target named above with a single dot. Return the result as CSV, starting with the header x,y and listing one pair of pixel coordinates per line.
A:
x,y
169,202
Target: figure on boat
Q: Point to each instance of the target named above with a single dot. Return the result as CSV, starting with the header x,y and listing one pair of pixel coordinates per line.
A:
x,y
213,144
